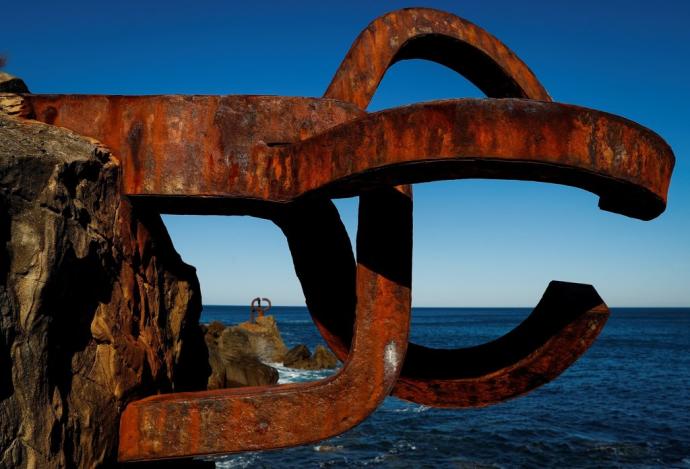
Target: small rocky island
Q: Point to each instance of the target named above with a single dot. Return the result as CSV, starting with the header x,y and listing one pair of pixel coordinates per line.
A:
x,y
240,355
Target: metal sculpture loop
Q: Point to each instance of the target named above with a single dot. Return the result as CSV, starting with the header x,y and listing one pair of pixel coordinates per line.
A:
x,y
255,308
284,158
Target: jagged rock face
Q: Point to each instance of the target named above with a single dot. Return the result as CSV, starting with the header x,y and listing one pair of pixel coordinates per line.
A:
x,y
96,307
234,361
296,354
300,357
323,358
12,84
264,339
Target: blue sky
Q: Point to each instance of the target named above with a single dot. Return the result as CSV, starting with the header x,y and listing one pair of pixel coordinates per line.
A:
x,y
476,242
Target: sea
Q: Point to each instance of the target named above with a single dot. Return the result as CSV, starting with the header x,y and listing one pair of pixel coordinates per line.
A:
x,y
624,403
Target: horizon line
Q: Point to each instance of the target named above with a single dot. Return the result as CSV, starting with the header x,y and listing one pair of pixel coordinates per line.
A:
x,y
461,307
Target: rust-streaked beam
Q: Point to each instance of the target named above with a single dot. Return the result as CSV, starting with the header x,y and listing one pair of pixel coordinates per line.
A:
x,y
628,165
564,324
492,67
425,33
194,145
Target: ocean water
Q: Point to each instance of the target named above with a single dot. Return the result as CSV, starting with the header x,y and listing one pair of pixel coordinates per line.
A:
x,y
625,403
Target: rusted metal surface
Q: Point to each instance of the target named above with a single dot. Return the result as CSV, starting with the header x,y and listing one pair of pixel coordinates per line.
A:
x,y
561,328
625,163
425,33
194,145
284,158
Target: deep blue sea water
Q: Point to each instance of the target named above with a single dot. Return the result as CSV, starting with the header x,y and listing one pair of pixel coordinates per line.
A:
x,y
625,403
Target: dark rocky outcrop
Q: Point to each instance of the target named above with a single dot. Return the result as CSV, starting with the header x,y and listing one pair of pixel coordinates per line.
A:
x,y
96,307
264,338
11,103
323,358
238,354
300,357
12,84
296,354
233,360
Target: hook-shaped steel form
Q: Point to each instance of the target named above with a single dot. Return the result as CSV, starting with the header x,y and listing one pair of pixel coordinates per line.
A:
x,y
255,307
231,420
283,159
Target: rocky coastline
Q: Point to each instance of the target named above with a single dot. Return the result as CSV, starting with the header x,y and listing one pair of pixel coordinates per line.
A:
x,y
241,355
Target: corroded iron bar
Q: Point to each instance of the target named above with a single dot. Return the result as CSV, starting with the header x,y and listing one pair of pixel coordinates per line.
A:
x,y
195,145
425,33
564,324
628,165
475,54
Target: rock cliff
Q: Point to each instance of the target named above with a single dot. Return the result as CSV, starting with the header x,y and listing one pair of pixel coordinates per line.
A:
x,y
265,341
96,307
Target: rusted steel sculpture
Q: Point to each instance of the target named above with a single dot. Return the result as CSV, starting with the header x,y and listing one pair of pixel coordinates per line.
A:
x,y
256,309
284,158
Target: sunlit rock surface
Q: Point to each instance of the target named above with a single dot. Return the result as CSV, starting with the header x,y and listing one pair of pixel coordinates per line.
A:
x,y
237,354
96,307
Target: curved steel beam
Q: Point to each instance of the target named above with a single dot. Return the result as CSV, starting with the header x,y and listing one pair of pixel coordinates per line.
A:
x,y
173,155
424,33
561,328
627,165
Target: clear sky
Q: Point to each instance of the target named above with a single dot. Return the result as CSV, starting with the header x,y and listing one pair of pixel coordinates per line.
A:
x,y
476,242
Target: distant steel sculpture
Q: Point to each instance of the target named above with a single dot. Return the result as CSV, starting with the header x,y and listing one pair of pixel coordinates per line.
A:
x,y
284,158
256,310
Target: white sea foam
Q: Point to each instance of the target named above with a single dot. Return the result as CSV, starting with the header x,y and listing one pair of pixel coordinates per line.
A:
x,y
292,375
413,408
327,448
245,460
